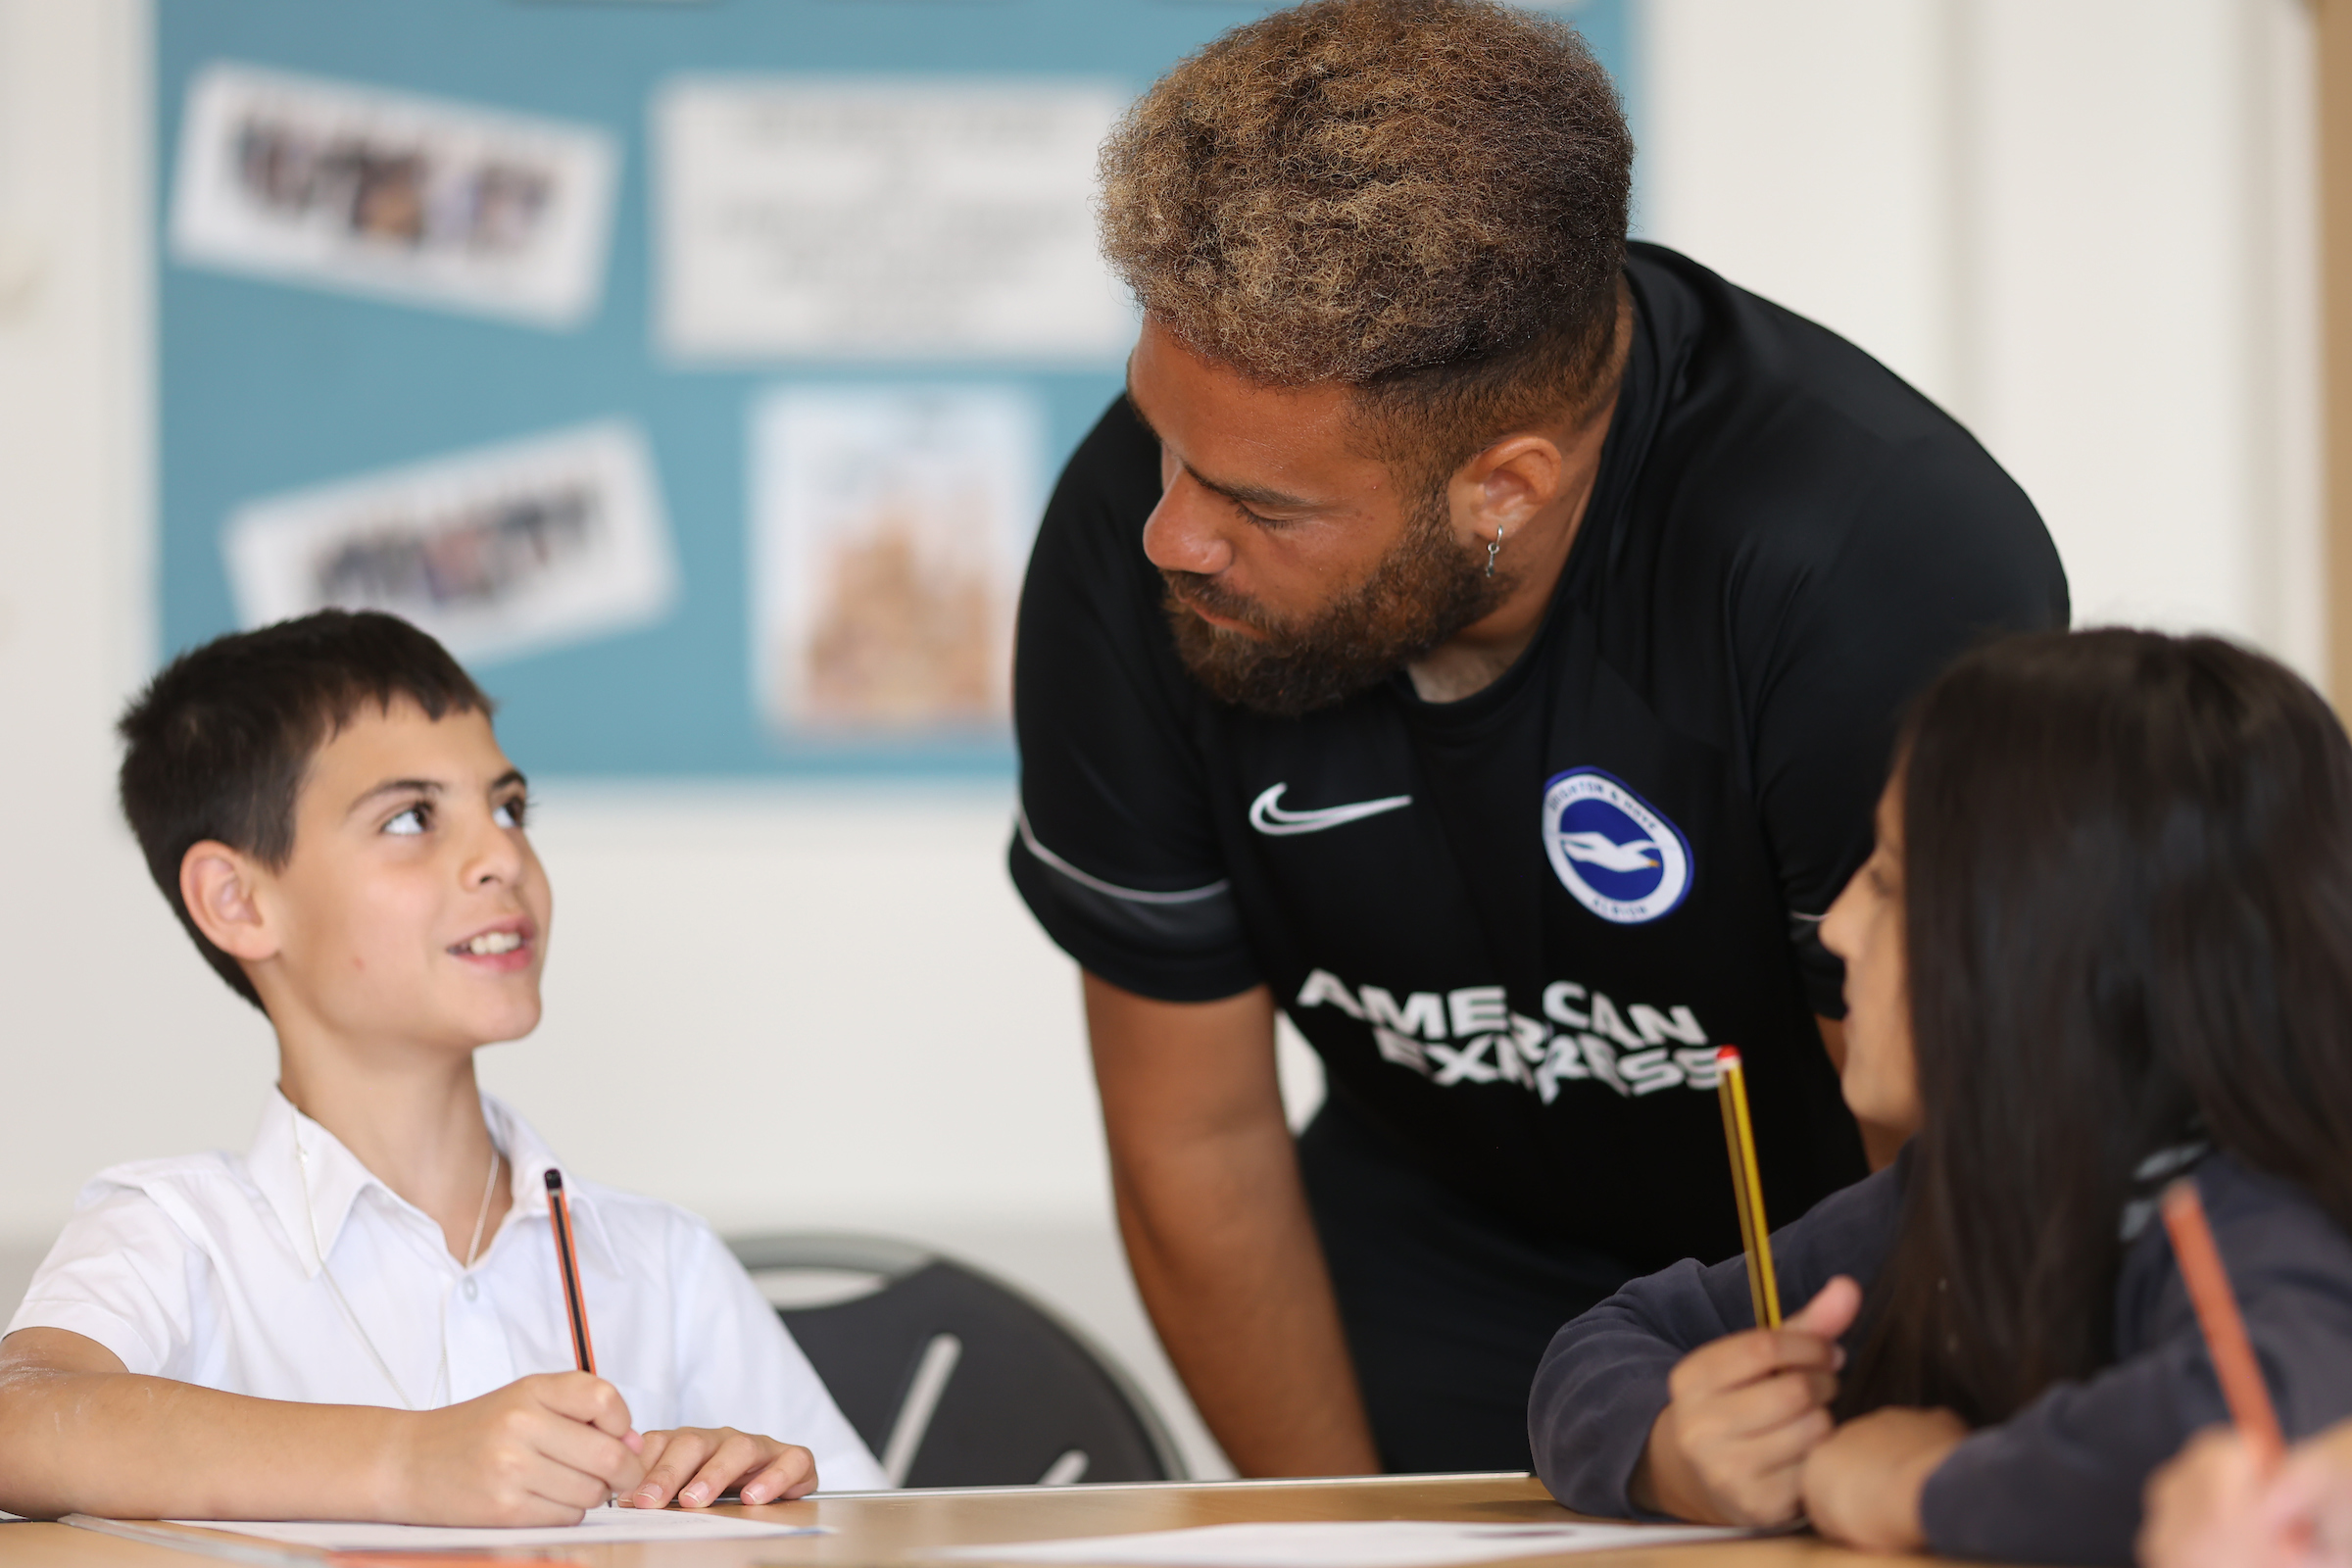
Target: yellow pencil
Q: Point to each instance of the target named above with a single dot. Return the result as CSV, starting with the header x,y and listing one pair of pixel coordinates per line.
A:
x,y
1740,1140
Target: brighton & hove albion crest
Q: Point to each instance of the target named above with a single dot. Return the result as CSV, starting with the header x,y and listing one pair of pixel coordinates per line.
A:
x,y
1613,852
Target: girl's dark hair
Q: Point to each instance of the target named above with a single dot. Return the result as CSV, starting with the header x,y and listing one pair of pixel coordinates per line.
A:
x,y
218,744
2128,896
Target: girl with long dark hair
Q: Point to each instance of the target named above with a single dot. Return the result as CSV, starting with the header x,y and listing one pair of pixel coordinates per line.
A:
x,y
2105,938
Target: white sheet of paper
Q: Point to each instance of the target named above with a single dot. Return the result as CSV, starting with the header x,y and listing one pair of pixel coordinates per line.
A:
x,y
1349,1543
939,219
601,1525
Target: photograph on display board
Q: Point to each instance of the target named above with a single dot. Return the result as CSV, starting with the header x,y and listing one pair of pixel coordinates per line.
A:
x,y
499,552
354,188
830,219
889,529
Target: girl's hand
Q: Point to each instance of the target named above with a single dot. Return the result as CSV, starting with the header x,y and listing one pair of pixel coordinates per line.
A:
x,y
2212,1506
1862,1486
695,1465
1745,1411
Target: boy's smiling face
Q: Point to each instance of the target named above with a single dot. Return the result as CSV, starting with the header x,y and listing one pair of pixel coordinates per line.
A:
x,y
412,911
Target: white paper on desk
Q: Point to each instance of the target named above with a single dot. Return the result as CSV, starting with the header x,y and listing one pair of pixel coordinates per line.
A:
x,y
1350,1544
598,1526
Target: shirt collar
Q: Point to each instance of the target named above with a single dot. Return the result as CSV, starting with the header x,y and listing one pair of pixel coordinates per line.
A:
x,y
530,1159
308,1177
293,1158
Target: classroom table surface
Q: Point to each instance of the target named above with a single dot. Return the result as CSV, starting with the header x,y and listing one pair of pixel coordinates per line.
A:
x,y
878,1530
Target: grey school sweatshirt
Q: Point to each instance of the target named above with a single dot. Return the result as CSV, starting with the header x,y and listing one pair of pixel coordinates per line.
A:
x,y
2059,1481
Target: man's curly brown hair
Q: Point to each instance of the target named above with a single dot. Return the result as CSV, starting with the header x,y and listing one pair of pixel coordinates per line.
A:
x,y
1424,198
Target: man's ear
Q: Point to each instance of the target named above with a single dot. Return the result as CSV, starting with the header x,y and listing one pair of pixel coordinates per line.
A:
x,y
1509,483
219,885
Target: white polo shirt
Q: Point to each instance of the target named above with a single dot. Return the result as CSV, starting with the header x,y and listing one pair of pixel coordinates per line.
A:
x,y
207,1269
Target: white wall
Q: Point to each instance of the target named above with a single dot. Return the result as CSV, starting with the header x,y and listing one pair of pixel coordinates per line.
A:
x,y
1800,149
791,1008
2087,228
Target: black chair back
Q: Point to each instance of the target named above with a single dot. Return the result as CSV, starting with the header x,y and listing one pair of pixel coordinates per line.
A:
x,y
957,1379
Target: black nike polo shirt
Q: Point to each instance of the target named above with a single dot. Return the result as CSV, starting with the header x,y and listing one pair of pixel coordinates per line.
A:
x,y
1516,926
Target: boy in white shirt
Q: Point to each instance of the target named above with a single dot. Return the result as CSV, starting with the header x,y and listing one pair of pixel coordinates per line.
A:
x,y
360,1318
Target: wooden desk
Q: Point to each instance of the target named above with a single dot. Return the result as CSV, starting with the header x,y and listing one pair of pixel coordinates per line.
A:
x,y
881,1529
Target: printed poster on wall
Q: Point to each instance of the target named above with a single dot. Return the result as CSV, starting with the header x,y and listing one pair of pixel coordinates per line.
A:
x,y
889,527
342,186
498,551
808,219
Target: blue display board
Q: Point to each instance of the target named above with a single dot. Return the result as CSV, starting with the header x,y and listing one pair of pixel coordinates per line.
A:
x,y
270,387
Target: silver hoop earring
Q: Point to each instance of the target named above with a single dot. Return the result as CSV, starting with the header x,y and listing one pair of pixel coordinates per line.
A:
x,y
1494,549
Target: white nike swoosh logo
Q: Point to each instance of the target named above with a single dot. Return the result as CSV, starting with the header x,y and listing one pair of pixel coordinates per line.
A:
x,y
1272,820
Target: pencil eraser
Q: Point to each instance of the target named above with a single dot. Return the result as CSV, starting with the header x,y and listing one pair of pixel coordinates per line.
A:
x,y
1727,1056
555,1180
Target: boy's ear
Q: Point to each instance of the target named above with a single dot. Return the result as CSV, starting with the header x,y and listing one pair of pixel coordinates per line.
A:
x,y
219,885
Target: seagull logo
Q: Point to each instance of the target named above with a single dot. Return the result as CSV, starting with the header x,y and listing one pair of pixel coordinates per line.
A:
x,y
1268,815
1599,848
1614,852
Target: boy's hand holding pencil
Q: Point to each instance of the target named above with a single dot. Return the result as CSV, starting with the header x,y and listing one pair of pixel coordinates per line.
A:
x,y
542,1450
692,1466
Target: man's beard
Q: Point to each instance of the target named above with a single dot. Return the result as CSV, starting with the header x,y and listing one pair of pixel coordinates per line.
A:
x,y
1423,591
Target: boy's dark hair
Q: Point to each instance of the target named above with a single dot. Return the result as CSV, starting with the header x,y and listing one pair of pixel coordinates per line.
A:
x,y
218,744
